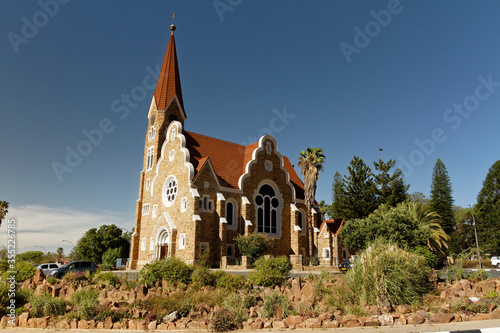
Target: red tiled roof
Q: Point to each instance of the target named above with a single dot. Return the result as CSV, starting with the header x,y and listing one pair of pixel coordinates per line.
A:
x,y
169,81
229,159
333,225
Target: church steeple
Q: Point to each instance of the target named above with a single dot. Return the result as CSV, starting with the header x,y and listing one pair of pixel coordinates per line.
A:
x,y
169,82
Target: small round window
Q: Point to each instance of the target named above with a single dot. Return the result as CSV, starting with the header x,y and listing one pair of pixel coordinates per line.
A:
x,y
169,190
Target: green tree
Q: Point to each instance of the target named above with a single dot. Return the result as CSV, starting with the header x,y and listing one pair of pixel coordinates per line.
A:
x,y
338,206
441,198
359,191
33,257
462,237
4,209
97,241
310,163
59,256
487,211
254,244
391,188
418,197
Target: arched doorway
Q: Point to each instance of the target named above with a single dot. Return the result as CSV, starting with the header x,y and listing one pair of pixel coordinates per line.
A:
x,y
163,241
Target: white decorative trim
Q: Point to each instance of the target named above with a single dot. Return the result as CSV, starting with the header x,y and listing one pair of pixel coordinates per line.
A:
x,y
153,103
313,211
222,220
178,105
293,207
316,229
248,222
196,218
182,241
194,193
254,160
245,201
169,220
297,228
220,196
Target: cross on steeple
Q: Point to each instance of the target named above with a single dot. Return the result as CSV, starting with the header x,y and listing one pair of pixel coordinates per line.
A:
x,y
172,27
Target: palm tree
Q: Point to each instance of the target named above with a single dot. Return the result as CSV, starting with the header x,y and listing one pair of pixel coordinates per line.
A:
x,y
59,253
4,209
430,221
310,163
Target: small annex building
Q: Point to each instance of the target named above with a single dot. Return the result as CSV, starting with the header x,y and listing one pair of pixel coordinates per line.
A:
x,y
330,249
197,193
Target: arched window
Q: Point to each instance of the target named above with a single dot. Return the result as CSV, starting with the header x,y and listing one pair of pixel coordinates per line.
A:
x,y
231,211
267,210
301,221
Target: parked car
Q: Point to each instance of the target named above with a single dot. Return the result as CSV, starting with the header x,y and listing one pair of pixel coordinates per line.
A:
x,y
74,266
48,267
345,266
495,261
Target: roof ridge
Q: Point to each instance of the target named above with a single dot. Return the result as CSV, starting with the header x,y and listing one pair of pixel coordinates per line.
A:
x,y
226,141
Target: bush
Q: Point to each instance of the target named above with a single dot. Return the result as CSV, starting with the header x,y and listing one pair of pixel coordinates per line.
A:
x,y
431,258
51,280
173,270
24,270
231,282
202,277
275,302
236,304
223,321
46,305
21,296
454,273
108,278
478,276
109,257
271,272
85,302
385,270
253,245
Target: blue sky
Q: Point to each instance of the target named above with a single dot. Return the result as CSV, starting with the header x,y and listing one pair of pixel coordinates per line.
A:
x,y
420,79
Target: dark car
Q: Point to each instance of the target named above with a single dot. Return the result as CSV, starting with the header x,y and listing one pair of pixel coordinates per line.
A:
x,y
75,266
345,266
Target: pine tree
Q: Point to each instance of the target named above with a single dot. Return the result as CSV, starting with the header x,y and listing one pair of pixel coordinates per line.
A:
x,y
336,209
488,211
441,198
360,190
391,189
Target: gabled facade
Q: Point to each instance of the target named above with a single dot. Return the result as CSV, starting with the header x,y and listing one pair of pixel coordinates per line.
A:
x,y
330,249
197,193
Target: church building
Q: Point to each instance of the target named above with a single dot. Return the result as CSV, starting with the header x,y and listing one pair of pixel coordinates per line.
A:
x,y
198,193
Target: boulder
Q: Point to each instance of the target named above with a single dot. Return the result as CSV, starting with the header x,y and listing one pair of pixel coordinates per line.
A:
x,y
415,319
268,325
293,321
384,305
279,324
495,314
152,325
170,317
404,308
308,292
39,276
371,321
23,319
108,323
62,325
326,316
350,321
313,323
330,324
386,320
83,324
442,318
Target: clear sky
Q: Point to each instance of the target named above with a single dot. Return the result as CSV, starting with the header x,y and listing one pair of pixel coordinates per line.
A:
x,y
420,79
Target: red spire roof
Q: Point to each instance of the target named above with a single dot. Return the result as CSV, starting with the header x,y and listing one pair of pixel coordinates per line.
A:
x,y
169,81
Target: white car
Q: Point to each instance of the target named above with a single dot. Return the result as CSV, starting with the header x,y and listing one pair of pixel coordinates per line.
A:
x,y
495,261
48,267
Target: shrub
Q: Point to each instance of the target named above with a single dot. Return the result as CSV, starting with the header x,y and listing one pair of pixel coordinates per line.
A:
x,y
24,271
236,304
478,275
276,302
85,302
387,270
453,273
223,321
431,258
314,261
173,270
254,244
203,277
51,280
46,305
21,295
109,257
271,272
108,278
231,282
75,277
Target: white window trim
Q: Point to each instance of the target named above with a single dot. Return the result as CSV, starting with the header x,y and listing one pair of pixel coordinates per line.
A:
x,y
148,183
329,253
145,209
304,221
149,159
143,244
206,204
235,214
182,241
152,244
155,211
183,204
151,133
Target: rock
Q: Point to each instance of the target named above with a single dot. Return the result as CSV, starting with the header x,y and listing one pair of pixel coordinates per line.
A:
x,y
404,308
171,326
313,323
384,304
39,276
171,317
56,290
257,325
308,292
23,319
466,285
108,323
193,324
141,291
100,325
152,325
117,325
415,319
161,327
83,324
62,325
481,316
442,318
488,286
350,321
141,325
495,314
279,324
295,288
132,324
268,325
403,320
92,324
386,320
444,295
293,321
457,285
326,316
458,318
73,324
330,324
371,321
